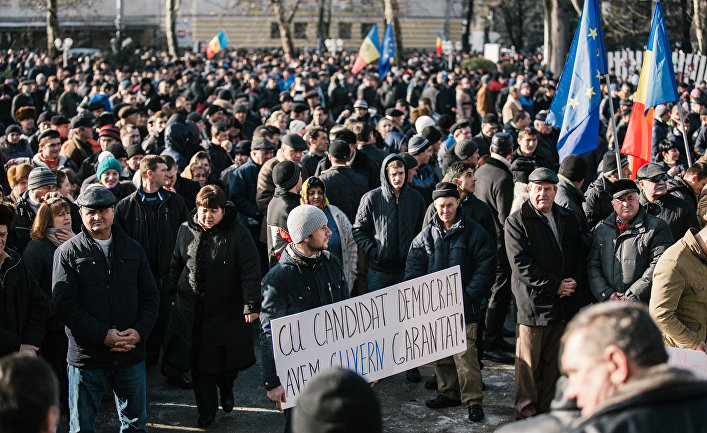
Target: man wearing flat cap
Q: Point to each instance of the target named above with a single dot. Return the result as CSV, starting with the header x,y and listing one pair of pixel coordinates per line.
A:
x,y
678,213
597,204
104,292
549,276
453,239
81,145
626,247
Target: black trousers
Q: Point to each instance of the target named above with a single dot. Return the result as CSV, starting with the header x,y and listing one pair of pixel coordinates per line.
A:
x,y
206,390
498,302
53,350
153,346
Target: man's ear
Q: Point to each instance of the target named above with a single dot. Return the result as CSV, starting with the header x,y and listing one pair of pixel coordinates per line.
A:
x,y
619,365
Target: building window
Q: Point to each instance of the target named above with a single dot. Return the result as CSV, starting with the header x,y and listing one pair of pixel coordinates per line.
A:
x,y
365,28
344,30
300,31
274,31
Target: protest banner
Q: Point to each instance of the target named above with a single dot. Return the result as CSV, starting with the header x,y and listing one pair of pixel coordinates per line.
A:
x,y
377,335
686,359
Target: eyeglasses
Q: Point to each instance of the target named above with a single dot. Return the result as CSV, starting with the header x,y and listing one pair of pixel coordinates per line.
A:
x,y
658,178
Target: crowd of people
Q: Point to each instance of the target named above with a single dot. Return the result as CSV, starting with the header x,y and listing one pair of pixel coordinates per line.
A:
x,y
153,215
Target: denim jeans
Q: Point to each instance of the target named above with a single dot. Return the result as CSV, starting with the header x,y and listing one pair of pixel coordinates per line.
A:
x,y
86,388
380,280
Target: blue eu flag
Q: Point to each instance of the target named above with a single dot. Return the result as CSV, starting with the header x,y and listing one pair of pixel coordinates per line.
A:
x,y
388,51
575,107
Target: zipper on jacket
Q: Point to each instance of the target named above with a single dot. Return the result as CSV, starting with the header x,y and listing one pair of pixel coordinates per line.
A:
x,y
331,294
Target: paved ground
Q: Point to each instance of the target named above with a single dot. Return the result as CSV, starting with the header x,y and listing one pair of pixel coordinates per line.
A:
x,y
172,410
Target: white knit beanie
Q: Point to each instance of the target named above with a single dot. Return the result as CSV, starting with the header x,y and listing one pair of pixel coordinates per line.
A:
x,y
303,221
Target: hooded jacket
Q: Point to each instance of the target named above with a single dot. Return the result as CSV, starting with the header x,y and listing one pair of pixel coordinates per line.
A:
x,y
386,225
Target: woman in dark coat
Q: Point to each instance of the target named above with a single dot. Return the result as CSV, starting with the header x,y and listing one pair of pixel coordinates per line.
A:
x,y
51,228
215,277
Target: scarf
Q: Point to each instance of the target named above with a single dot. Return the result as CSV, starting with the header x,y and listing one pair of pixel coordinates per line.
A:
x,y
310,183
52,234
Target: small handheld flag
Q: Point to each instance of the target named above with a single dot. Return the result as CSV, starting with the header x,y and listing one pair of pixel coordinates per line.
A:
x,y
438,44
656,86
388,51
216,44
575,107
369,52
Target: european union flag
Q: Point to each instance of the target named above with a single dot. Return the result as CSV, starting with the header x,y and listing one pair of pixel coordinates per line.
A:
x,y
388,51
575,107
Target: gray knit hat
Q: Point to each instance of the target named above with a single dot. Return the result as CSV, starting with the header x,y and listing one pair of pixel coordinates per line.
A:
x,y
40,176
304,220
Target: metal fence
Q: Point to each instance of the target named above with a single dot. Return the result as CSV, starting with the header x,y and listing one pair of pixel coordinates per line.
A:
x,y
687,66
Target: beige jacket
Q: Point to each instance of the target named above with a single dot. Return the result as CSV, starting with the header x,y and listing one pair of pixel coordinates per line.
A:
x,y
678,302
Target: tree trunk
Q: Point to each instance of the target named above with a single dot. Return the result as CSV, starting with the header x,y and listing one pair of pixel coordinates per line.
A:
x,y
685,39
547,49
700,19
469,15
321,30
52,26
283,22
170,17
390,11
559,36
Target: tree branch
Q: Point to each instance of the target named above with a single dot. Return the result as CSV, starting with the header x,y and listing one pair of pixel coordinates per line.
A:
x,y
294,11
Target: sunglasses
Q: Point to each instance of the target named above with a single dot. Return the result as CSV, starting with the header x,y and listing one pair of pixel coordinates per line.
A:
x,y
658,178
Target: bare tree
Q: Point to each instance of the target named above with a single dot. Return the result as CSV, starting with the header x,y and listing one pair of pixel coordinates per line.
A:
x,y
468,17
559,25
700,20
171,8
52,25
391,12
284,22
513,16
322,24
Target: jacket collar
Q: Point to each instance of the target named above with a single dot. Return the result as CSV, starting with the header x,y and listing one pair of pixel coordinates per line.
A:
x,y
691,243
576,192
638,222
527,210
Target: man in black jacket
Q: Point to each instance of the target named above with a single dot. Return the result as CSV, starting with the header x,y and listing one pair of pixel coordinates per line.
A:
x,y
344,186
616,363
152,216
288,183
548,278
655,198
103,291
597,205
453,239
494,186
306,277
388,219
569,193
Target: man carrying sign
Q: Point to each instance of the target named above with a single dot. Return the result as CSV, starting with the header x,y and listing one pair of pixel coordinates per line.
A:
x,y
306,277
454,239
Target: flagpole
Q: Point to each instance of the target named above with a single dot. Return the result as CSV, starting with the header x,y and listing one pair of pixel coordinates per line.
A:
x,y
684,136
613,126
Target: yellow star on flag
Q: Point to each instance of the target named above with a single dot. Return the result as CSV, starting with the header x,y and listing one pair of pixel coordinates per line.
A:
x,y
593,33
590,92
573,102
598,74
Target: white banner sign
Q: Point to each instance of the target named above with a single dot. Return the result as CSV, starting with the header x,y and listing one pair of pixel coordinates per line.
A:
x,y
686,359
377,335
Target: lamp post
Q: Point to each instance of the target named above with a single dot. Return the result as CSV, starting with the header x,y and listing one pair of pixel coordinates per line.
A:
x,y
64,47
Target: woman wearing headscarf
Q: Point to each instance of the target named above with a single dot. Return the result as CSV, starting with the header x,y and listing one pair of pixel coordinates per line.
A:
x,y
341,241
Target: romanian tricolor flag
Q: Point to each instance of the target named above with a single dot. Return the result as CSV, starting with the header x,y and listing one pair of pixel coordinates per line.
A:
x,y
655,87
216,44
438,44
369,52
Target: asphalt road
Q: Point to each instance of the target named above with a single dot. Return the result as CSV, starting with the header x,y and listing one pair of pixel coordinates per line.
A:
x,y
172,410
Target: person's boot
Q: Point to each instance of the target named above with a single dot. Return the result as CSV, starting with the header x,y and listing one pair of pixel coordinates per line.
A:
x,y
506,346
431,383
227,399
441,402
476,413
498,355
205,420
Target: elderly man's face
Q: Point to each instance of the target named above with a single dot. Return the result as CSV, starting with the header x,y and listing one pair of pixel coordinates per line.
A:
x,y
626,206
589,375
542,195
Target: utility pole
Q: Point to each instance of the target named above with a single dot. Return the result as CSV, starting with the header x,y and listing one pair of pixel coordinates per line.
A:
x,y
119,23
447,13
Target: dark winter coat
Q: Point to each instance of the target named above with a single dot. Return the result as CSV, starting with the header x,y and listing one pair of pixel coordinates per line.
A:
x,y
90,297
25,306
171,213
674,211
660,399
539,264
361,165
278,210
494,186
344,188
466,244
215,282
242,191
294,285
597,204
624,261
220,159
571,198
681,189
188,189
386,225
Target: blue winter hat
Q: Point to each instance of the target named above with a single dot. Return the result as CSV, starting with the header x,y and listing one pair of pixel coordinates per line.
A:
x,y
108,163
